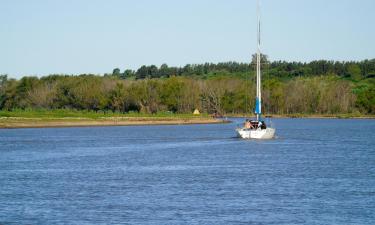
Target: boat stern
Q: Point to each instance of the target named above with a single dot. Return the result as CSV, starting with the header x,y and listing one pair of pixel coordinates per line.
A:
x,y
268,133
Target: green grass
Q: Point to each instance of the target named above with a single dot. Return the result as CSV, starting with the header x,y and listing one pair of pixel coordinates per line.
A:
x,y
64,113
67,113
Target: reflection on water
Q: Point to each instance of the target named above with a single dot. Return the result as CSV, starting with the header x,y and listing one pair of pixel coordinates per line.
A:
x,y
317,171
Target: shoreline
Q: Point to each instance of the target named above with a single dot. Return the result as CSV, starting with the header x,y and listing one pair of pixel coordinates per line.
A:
x,y
18,122
317,116
42,122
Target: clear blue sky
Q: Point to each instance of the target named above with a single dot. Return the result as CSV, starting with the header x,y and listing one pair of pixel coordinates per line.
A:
x,y
41,37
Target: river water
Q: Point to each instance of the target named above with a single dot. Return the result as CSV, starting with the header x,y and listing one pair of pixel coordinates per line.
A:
x,y
318,171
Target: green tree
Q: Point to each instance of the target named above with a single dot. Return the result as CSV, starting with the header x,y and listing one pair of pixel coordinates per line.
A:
x,y
354,71
116,72
365,92
3,80
117,98
171,93
128,74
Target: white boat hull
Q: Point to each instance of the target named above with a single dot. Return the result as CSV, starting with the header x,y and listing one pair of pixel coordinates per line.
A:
x,y
268,133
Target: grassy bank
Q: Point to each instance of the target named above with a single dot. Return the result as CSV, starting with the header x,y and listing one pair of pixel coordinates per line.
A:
x,y
70,118
73,118
64,113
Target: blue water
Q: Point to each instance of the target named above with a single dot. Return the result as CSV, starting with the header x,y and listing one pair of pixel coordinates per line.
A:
x,y
318,171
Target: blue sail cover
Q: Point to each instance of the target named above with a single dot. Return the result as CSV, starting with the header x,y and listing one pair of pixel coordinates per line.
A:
x,y
257,106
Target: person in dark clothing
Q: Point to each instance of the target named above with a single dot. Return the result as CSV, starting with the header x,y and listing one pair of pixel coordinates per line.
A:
x,y
263,125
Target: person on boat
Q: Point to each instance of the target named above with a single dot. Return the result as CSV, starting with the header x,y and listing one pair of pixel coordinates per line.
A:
x,y
252,124
248,124
262,125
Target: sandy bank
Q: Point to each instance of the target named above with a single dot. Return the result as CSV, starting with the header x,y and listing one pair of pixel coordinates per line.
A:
x,y
17,122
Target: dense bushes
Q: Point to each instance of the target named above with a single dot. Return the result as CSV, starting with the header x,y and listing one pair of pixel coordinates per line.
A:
x,y
329,94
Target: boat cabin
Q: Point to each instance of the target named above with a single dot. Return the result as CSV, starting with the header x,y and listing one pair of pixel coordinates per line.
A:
x,y
253,124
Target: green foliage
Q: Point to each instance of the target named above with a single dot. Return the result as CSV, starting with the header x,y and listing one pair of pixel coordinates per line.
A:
x,y
128,74
71,113
276,69
171,93
365,92
3,80
116,72
318,87
354,71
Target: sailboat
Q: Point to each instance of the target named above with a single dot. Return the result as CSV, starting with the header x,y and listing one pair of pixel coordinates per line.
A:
x,y
257,129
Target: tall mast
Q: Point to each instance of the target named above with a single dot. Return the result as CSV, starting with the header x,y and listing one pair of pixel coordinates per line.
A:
x,y
258,103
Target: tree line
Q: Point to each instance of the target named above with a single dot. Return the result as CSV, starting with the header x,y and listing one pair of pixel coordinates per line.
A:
x,y
278,69
321,87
